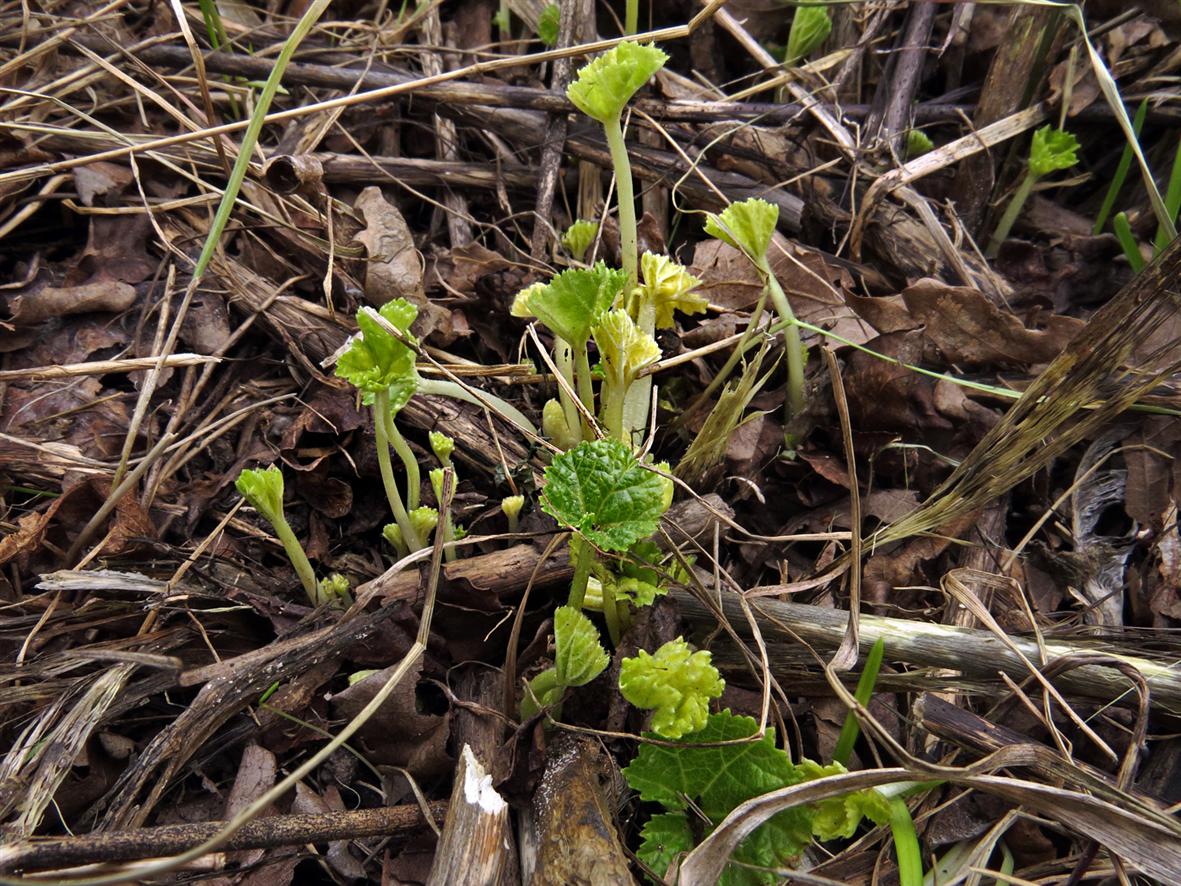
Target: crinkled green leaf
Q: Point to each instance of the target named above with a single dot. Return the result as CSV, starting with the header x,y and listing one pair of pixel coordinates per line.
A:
x,y
600,489
580,657
675,683
441,445
424,520
838,817
719,777
748,226
575,300
376,360
547,24
669,287
1052,149
579,237
334,588
623,349
810,26
263,489
604,86
664,837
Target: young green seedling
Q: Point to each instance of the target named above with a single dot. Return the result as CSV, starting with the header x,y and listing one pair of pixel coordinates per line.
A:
x,y
381,366
511,506
1050,151
698,776
547,25
263,489
601,91
579,236
579,657
749,226
571,304
666,288
602,491
810,26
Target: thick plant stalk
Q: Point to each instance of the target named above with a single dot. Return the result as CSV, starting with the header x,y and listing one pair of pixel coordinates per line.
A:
x,y
564,360
791,341
627,201
583,556
381,406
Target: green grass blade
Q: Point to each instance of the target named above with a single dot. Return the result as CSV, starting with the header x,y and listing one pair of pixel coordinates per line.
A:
x,y
1123,231
906,844
1121,172
250,138
851,728
1172,201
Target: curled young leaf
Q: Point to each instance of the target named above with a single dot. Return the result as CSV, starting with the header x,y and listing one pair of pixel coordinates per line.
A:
x,y
580,656
623,349
668,287
575,300
1051,150
676,683
442,446
601,489
604,86
748,226
579,237
263,489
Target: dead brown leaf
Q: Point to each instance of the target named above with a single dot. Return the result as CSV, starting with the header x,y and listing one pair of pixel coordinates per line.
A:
x,y
970,330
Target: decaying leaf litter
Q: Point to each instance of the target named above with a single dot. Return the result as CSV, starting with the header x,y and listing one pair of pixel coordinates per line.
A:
x,y
983,465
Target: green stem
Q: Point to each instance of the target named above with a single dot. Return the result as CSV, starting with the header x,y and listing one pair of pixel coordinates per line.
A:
x,y
413,474
583,556
1127,240
791,341
440,387
637,402
1121,173
865,683
381,407
631,17
611,614
906,844
295,553
613,395
586,390
627,201
564,360
1016,204
1172,201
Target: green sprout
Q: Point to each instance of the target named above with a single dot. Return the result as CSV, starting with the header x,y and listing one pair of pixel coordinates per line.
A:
x,y
749,226
601,91
579,236
547,25
442,446
917,143
379,362
623,351
511,506
436,476
579,657
667,287
571,304
381,366
263,490
810,26
1051,150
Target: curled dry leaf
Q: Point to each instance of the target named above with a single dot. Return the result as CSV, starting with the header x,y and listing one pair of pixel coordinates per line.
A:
x,y
53,301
